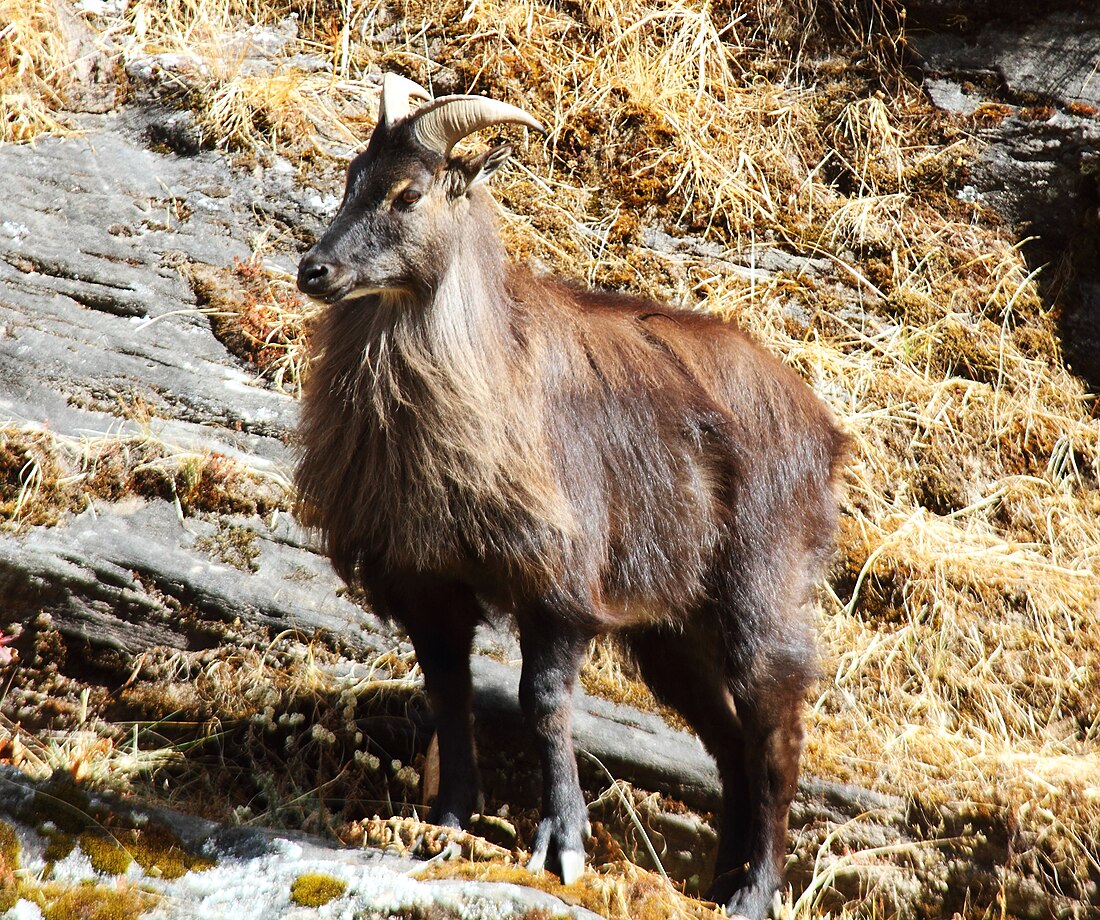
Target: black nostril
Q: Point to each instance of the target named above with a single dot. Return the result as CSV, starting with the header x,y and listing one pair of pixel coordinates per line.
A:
x,y
314,275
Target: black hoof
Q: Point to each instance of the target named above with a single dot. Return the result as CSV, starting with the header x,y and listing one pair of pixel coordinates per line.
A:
x,y
560,844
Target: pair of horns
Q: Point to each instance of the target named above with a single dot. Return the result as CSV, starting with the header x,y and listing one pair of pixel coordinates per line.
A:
x,y
441,123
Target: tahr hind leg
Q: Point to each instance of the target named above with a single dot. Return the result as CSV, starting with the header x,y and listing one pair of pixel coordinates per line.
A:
x,y
772,744
756,753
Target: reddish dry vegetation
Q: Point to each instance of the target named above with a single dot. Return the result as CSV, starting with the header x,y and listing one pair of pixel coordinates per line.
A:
x,y
43,476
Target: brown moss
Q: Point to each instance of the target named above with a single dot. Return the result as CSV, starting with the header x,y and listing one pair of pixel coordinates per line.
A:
x,y
235,546
967,350
206,483
259,318
108,474
914,308
991,113
41,477
1038,343
30,493
1082,109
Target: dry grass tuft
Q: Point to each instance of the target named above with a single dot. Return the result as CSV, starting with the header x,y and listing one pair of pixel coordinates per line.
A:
x,y
44,475
88,754
616,889
256,82
259,315
34,60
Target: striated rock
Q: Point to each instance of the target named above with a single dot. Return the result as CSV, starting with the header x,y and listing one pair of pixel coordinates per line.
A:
x,y
96,309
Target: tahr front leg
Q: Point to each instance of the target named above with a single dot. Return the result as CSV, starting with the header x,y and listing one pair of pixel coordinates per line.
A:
x,y
552,654
440,620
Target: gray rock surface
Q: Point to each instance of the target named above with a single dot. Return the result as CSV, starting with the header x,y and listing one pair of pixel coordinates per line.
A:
x,y
96,309
252,871
1036,70
1052,55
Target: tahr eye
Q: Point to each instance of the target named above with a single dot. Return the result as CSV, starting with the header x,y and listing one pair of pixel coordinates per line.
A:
x,y
409,197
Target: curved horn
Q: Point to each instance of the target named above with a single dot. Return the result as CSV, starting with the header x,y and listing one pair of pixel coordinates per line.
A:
x,y
443,122
396,93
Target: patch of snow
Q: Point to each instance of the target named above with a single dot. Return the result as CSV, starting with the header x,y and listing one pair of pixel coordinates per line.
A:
x,y
24,910
17,232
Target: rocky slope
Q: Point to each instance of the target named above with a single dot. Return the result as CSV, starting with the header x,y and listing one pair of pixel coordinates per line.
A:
x,y
154,580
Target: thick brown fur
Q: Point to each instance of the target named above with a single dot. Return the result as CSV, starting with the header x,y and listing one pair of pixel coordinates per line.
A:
x,y
477,436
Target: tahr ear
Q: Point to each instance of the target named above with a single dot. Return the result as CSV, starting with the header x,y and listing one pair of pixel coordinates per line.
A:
x,y
468,172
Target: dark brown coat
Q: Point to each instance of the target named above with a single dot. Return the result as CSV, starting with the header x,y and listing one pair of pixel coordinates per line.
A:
x,y
474,436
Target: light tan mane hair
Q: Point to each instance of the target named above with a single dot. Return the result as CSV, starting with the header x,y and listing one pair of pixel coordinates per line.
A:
x,y
439,401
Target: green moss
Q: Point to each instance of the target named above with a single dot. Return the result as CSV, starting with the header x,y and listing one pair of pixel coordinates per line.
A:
x,y
60,846
106,853
161,853
314,889
88,902
10,848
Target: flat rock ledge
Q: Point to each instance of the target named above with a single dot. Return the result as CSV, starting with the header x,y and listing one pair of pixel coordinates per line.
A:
x,y
248,874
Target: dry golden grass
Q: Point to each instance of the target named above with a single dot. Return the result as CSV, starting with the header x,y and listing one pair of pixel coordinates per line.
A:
x,y
234,65
87,753
961,643
33,70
